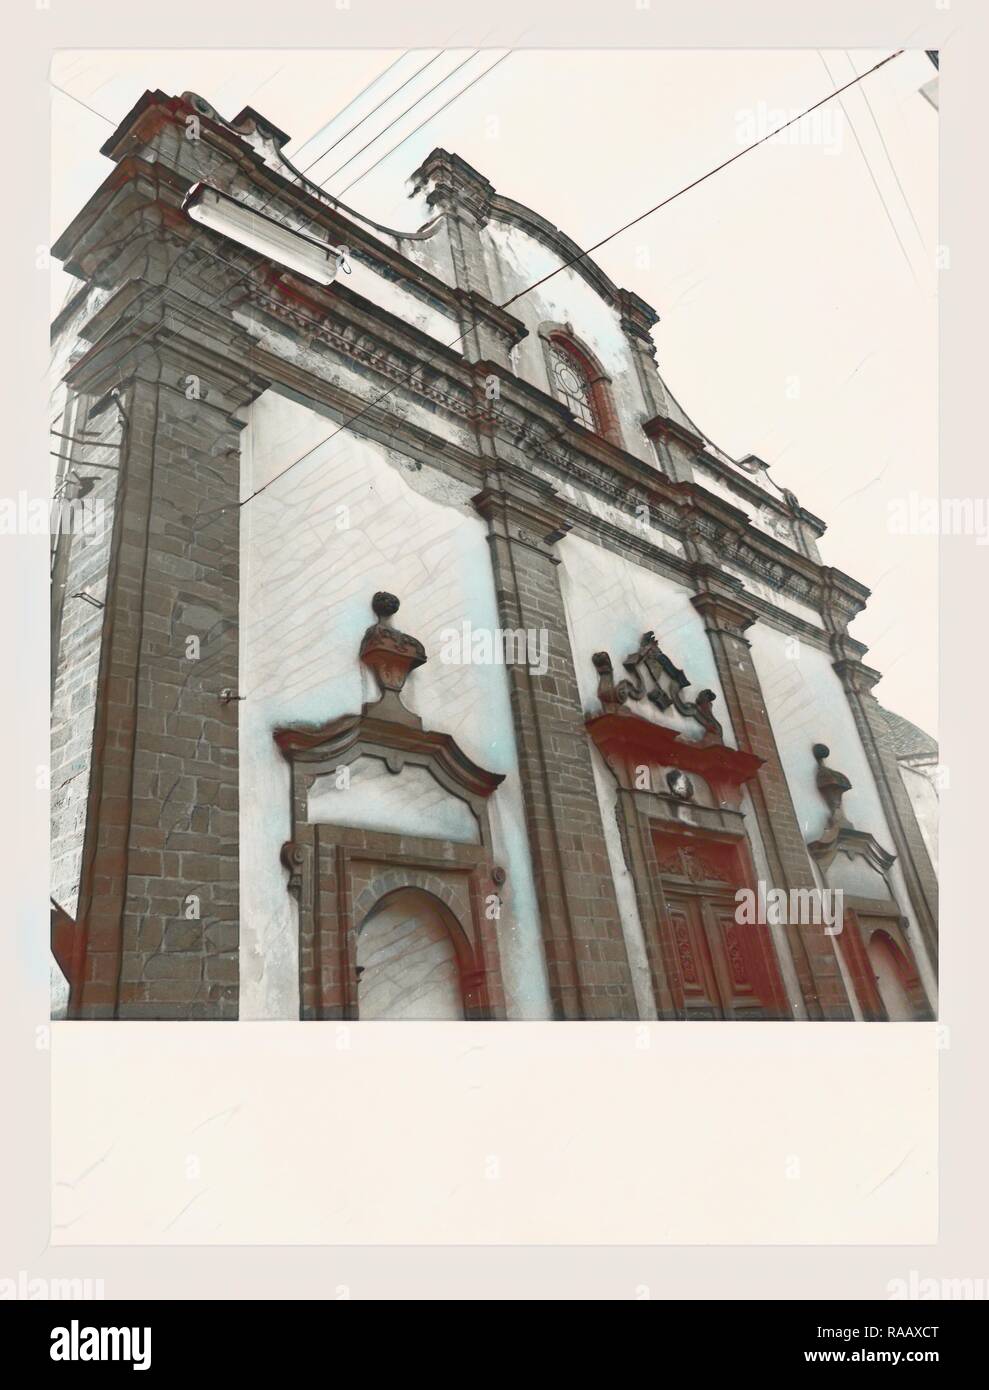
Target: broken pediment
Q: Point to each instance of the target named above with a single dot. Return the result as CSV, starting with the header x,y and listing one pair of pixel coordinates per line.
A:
x,y
652,676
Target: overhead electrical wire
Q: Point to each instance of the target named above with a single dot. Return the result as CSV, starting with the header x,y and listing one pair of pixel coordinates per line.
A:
x,y
363,92
574,259
384,130
875,181
889,158
419,127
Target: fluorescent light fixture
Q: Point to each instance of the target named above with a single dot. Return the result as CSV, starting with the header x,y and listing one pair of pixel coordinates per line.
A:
x,y
304,254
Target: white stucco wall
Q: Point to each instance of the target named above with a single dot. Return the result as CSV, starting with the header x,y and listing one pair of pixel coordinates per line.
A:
x,y
355,517
432,252
352,518
807,704
515,260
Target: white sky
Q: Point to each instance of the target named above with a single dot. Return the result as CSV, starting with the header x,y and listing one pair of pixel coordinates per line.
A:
x,y
797,289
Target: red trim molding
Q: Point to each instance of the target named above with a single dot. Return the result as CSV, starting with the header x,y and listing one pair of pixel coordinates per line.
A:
x,y
627,741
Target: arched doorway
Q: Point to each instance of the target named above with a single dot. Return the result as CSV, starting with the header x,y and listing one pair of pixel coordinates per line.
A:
x,y
407,961
888,968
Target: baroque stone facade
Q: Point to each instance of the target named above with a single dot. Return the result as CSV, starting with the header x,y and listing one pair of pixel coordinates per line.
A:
x,y
428,660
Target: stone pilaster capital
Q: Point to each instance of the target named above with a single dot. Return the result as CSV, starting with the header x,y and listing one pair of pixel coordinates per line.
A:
x,y
719,603
637,318
856,677
840,598
519,511
142,332
507,327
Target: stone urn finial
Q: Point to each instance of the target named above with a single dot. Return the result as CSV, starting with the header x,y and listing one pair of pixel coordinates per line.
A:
x,y
384,606
832,785
388,653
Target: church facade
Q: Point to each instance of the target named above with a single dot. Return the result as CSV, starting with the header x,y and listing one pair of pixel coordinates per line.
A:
x,y
428,661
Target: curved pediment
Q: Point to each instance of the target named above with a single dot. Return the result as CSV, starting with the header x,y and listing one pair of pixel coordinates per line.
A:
x,y
449,181
342,741
504,209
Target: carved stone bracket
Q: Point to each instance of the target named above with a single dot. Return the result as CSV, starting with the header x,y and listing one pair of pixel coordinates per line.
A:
x,y
832,785
295,858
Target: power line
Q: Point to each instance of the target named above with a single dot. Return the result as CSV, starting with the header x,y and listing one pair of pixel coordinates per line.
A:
x,y
872,176
82,103
427,120
383,102
710,174
573,260
452,73
889,157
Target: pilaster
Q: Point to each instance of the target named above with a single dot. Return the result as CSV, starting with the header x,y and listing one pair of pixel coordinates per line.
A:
x,y
584,942
858,681
158,902
462,197
719,600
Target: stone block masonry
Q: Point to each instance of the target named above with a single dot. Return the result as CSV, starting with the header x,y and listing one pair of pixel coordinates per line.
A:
x,y
159,891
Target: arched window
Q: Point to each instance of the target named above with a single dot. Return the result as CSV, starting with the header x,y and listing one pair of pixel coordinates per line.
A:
x,y
579,381
571,382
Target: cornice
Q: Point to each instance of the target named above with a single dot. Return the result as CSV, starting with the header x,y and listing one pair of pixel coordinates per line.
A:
x,y
326,743
758,496
250,139
525,418
627,740
542,429
665,428
343,225
142,330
